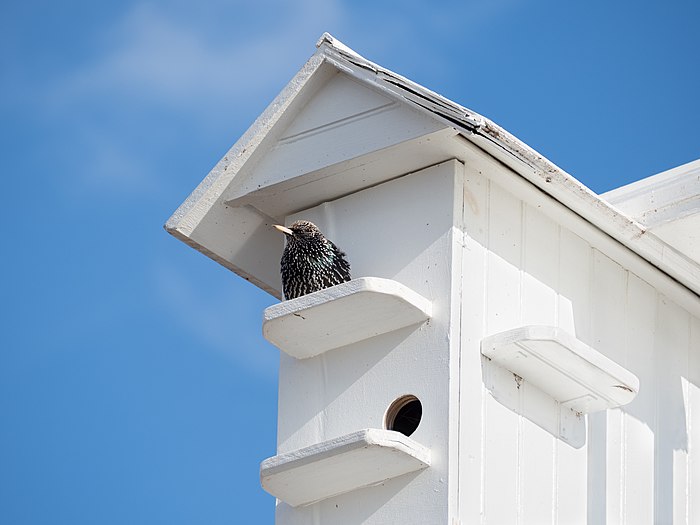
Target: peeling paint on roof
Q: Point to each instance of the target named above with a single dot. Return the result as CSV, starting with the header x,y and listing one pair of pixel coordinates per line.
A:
x,y
523,160
473,127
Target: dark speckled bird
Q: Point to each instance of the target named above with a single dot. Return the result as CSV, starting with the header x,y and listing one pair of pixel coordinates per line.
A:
x,y
310,262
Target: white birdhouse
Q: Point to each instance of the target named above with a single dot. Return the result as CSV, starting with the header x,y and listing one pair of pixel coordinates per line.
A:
x,y
512,348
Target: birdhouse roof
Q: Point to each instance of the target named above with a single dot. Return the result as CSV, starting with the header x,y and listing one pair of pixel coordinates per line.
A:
x,y
306,149
668,205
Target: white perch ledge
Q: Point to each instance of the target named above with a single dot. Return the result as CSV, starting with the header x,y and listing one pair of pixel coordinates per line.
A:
x,y
341,465
341,315
574,374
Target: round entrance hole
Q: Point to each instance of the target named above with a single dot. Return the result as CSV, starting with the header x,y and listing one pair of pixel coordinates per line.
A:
x,y
403,415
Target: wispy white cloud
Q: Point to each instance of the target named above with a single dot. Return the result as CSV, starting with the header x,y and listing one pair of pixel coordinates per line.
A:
x,y
194,66
160,55
218,318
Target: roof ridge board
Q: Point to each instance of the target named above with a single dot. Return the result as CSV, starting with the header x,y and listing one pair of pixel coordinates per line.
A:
x,y
469,120
335,49
538,170
475,121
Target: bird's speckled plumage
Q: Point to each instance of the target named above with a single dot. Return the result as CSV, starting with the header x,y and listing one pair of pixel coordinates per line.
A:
x,y
311,262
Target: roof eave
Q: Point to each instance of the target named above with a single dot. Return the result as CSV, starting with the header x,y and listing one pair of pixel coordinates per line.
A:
x,y
522,159
192,210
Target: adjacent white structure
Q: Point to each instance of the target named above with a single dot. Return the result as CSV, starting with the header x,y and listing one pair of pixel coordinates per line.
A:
x,y
513,349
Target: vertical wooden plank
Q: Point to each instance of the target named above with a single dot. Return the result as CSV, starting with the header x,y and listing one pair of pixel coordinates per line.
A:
x,y
575,285
503,277
693,414
573,316
502,427
672,435
472,391
541,268
539,306
596,489
640,415
456,352
605,429
681,461
671,350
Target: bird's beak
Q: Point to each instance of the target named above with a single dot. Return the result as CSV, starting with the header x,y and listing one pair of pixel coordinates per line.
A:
x,y
284,229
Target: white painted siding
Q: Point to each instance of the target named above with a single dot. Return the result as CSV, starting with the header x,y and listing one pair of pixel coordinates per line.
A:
x,y
491,261
348,389
635,465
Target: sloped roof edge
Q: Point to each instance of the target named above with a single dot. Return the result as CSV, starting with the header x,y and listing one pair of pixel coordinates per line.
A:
x,y
482,132
525,161
184,219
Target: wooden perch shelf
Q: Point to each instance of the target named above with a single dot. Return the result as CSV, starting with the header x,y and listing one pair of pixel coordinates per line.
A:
x,y
571,372
342,315
341,465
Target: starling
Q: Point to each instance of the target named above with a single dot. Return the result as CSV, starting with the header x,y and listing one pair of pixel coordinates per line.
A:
x,y
310,262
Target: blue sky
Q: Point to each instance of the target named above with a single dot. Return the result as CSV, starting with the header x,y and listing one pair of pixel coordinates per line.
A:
x,y
135,386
